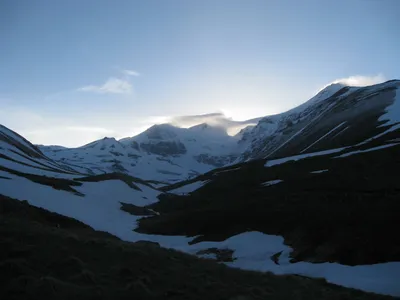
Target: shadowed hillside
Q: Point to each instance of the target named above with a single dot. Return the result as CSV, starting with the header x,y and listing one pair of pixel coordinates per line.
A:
x,y
339,207
46,255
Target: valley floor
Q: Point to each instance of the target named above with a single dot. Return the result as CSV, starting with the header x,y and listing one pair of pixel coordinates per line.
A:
x,y
46,255
250,250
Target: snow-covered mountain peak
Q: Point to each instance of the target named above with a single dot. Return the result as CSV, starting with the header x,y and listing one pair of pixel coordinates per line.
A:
x,y
105,143
273,123
333,87
244,131
199,127
209,130
166,139
336,109
324,94
156,132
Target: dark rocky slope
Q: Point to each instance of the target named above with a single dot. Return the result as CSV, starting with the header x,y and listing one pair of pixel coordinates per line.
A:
x,y
347,214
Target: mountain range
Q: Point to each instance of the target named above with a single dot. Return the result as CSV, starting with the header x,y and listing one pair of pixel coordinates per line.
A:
x,y
170,154
312,191
164,152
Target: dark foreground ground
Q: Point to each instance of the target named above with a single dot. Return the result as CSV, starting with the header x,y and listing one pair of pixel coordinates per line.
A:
x,y
48,256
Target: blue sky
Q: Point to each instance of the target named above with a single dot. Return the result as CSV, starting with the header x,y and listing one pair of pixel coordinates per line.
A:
x,y
73,71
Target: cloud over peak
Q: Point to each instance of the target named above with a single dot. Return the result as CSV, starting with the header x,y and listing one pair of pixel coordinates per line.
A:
x,y
361,80
357,81
188,121
231,126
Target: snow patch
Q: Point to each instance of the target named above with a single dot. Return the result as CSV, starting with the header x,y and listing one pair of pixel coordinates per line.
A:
x,y
301,130
225,171
325,135
393,128
366,150
212,256
392,114
279,161
319,171
289,139
189,188
253,251
100,209
340,132
271,182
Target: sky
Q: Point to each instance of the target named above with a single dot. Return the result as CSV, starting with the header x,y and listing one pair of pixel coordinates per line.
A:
x,y
75,71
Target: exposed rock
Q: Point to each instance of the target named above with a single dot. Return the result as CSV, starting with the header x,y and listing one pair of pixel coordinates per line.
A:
x,y
217,161
164,148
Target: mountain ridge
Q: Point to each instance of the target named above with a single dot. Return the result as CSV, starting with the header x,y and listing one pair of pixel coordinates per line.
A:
x,y
320,206
330,119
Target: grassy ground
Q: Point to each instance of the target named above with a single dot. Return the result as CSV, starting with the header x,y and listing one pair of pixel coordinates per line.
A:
x,y
48,256
345,215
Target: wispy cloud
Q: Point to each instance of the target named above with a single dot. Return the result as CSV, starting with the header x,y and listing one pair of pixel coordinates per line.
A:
x,y
111,86
131,73
214,119
188,121
361,80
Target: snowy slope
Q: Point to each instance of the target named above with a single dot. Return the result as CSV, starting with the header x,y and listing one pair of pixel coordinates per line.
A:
x,y
27,174
275,124
106,143
163,153
167,153
337,115
392,112
100,209
18,154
